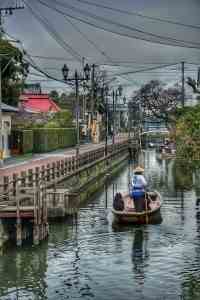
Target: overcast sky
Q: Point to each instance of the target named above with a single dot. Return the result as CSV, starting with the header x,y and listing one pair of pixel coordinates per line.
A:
x,y
106,47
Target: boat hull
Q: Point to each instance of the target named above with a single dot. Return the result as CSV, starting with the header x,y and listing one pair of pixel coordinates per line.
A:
x,y
150,217
154,218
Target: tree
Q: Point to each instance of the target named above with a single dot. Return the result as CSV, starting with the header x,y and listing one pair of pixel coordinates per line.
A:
x,y
14,71
158,101
193,84
94,97
188,135
55,96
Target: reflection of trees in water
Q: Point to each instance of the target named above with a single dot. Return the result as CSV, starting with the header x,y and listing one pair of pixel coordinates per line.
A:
x,y
60,231
139,254
183,175
159,173
22,272
191,278
79,281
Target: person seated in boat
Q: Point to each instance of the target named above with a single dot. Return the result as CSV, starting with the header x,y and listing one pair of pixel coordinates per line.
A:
x,y
139,185
118,203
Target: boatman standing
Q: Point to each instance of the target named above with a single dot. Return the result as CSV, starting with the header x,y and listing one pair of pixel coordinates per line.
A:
x,y
138,189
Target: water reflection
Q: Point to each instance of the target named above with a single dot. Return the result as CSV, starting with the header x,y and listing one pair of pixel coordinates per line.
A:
x,y
22,273
140,254
89,257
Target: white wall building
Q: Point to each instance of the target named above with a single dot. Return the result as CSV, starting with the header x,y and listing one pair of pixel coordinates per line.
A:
x,y
7,112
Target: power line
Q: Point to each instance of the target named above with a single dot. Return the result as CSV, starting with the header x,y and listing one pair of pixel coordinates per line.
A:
x,y
43,72
133,13
144,70
53,33
52,58
8,10
102,52
161,39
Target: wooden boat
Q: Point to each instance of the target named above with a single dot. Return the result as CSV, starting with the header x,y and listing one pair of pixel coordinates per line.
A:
x,y
129,215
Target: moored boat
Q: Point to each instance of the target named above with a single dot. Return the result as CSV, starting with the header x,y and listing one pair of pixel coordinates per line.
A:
x,y
151,215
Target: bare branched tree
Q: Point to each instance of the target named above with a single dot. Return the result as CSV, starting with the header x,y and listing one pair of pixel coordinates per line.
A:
x,y
194,85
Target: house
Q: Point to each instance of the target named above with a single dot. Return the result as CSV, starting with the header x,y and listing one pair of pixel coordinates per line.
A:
x,y
38,103
7,113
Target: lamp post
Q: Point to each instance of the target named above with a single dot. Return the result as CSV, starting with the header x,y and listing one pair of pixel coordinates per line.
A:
x,y
124,102
76,79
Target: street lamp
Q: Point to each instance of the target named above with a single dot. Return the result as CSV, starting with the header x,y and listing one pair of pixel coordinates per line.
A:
x,y
76,79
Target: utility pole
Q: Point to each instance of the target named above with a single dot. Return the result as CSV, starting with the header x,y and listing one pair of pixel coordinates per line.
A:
x,y
129,121
77,115
1,123
183,82
92,99
105,90
113,107
4,11
76,79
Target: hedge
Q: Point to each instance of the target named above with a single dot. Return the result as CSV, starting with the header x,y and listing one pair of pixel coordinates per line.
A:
x,y
49,139
22,140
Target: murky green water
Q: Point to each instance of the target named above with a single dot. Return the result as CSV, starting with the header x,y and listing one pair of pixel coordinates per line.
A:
x,y
90,259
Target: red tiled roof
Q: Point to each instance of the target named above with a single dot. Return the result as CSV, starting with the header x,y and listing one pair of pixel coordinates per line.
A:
x,y
39,103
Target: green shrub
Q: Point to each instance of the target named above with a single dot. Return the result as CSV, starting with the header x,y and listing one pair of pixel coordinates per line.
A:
x,y
49,139
22,140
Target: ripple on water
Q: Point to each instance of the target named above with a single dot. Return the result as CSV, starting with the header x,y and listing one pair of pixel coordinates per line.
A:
x,y
92,259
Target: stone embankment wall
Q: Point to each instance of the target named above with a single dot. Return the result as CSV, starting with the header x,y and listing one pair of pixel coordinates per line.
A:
x,y
54,191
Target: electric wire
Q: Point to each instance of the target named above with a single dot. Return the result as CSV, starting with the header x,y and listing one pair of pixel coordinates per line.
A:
x,y
102,52
133,13
54,34
161,39
143,70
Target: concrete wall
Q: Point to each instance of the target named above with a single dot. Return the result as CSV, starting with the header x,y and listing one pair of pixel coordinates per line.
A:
x,y
69,194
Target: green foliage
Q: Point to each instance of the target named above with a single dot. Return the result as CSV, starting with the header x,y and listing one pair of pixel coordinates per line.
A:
x,y
23,140
55,96
62,119
49,139
183,175
188,134
13,72
27,141
66,102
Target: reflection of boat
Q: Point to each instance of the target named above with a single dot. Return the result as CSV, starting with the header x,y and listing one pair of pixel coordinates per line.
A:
x,y
164,152
165,155
129,215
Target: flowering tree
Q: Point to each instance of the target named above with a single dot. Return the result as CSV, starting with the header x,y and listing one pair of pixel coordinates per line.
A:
x,y
158,101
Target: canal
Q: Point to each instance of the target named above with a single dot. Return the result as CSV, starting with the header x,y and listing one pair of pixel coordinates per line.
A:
x,y
89,258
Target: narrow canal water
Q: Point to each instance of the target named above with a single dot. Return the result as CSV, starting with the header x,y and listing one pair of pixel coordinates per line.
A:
x,y
89,258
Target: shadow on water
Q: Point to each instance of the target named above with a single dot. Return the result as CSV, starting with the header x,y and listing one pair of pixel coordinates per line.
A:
x,y
140,254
